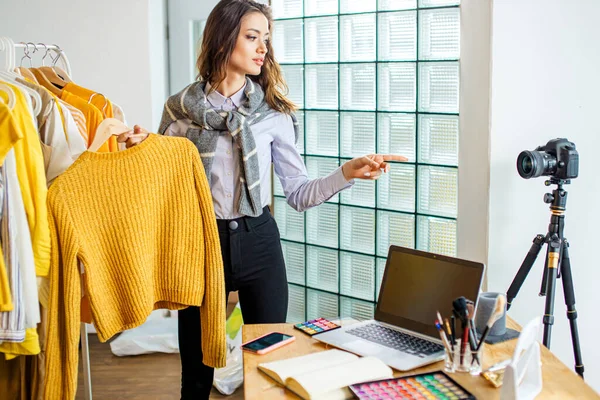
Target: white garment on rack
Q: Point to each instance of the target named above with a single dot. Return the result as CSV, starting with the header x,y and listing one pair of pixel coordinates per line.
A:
x,y
22,238
118,113
77,143
57,154
12,323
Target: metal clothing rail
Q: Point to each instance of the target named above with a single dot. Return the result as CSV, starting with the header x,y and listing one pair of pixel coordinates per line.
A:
x,y
47,47
60,55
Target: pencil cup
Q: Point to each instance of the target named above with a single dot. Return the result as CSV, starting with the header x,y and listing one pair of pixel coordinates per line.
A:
x,y
469,362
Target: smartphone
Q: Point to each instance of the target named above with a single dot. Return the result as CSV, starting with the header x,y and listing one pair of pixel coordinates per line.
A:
x,y
268,342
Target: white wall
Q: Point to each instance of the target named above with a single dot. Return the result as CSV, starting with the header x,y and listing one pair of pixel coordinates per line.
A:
x,y
474,140
545,84
159,58
111,46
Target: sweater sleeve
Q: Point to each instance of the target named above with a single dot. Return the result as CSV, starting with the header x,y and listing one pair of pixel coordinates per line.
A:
x,y
212,310
62,338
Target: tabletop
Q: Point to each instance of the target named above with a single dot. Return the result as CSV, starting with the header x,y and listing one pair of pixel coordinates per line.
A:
x,y
560,381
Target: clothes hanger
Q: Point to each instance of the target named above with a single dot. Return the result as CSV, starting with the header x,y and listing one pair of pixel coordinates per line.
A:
x,y
11,95
43,81
106,129
24,71
105,102
3,87
49,72
34,99
64,75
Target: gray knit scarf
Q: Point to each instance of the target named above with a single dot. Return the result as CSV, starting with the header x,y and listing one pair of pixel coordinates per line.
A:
x,y
191,103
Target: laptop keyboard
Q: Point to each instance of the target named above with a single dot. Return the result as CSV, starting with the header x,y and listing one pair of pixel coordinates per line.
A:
x,y
396,340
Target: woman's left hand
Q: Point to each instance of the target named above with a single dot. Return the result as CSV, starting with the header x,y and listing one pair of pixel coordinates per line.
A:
x,y
369,167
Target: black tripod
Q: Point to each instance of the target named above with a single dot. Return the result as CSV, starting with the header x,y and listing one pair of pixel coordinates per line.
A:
x,y
557,264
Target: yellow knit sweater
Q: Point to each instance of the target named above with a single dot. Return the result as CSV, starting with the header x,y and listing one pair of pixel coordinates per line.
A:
x,y
142,223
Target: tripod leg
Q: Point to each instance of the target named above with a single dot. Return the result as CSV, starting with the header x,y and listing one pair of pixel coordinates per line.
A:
x,y
569,291
553,258
524,269
544,287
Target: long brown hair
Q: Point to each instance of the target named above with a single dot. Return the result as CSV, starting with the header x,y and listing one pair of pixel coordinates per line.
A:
x,y
219,39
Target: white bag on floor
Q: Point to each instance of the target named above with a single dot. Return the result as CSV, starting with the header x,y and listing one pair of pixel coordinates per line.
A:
x,y
157,335
230,377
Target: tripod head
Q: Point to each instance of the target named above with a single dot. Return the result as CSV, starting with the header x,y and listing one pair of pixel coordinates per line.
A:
x,y
558,198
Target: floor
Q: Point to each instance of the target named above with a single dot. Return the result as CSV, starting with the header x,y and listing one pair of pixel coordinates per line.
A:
x,y
153,376
148,377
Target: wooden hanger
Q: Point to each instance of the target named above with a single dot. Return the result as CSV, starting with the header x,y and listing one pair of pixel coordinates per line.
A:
x,y
106,129
62,74
52,72
26,73
103,109
45,82
52,77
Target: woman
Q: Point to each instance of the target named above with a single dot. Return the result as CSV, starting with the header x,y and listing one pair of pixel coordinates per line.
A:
x,y
241,122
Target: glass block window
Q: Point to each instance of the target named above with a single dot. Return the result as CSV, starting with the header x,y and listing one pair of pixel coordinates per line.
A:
x,y
368,76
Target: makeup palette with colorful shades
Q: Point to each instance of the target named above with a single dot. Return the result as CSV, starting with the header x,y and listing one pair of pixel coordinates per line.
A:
x,y
432,385
316,326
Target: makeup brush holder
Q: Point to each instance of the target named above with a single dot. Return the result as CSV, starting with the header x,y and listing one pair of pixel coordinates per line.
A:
x,y
453,362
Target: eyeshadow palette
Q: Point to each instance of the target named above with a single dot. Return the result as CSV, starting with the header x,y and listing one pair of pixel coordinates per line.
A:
x,y
315,326
432,385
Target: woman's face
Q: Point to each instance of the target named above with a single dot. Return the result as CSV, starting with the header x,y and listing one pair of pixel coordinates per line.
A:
x,y
248,55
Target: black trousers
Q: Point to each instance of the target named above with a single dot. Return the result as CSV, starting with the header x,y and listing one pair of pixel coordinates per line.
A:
x,y
254,266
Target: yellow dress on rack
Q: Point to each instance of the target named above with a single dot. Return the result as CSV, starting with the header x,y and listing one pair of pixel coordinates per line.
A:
x,y
10,135
32,181
19,118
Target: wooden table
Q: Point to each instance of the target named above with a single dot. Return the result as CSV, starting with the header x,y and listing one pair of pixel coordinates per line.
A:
x,y
560,381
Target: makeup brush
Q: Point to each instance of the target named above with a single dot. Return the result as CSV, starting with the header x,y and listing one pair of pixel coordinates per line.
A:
x,y
440,319
495,316
462,310
449,331
440,329
459,307
472,330
453,328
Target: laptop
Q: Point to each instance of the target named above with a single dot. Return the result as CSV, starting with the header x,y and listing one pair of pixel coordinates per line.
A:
x,y
415,285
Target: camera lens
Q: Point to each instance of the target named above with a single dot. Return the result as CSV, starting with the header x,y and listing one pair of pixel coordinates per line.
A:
x,y
527,165
530,164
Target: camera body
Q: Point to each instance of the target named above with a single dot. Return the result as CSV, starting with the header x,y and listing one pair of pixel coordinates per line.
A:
x,y
558,159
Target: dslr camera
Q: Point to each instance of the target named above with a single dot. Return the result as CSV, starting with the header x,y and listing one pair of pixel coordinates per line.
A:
x,y
558,159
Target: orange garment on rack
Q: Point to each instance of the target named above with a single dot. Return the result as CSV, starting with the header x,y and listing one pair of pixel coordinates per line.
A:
x,y
101,102
93,116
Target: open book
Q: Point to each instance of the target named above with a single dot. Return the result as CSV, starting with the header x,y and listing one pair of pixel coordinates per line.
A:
x,y
325,374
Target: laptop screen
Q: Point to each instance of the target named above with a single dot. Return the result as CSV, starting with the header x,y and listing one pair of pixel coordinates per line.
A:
x,y
417,284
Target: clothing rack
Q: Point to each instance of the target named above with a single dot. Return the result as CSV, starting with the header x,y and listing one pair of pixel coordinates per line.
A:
x,y
85,349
